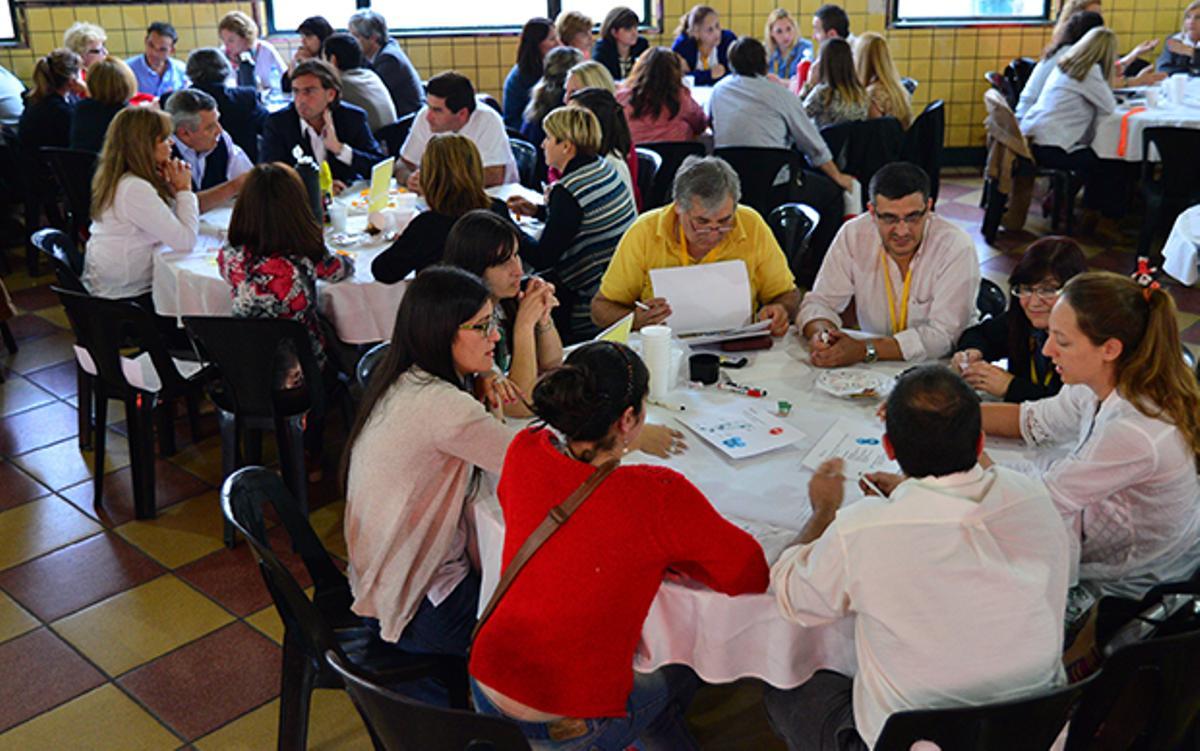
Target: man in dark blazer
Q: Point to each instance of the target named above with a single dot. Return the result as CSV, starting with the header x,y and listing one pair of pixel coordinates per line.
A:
x,y
322,126
388,61
242,115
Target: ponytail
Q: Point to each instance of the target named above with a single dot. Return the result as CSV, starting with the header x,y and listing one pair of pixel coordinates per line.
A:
x,y
52,72
692,19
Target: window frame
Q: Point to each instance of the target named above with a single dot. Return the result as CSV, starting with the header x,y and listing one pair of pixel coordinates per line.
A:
x,y
896,21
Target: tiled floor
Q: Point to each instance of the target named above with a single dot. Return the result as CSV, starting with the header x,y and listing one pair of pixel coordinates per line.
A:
x,y
116,633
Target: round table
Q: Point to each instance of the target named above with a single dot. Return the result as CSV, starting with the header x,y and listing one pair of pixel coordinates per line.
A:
x,y
1180,254
724,638
1107,140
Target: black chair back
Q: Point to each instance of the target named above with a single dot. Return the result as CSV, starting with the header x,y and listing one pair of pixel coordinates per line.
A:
x,y
649,163
1017,74
793,225
393,136
757,169
526,156
490,101
862,147
73,169
368,362
400,724
672,153
924,142
63,255
1027,724
991,300
910,85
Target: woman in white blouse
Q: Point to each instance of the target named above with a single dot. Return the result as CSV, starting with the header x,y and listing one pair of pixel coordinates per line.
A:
x,y
142,199
1130,409
239,37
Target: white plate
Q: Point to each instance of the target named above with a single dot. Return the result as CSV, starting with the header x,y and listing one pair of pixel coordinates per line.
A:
x,y
849,383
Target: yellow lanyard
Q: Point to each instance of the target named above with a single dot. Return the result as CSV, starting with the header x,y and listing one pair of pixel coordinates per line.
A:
x,y
1033,370
887,278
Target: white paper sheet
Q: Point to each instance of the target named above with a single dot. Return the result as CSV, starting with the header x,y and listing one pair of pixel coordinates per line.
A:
x,y
508,190
714,337
858,443
705,297
741,429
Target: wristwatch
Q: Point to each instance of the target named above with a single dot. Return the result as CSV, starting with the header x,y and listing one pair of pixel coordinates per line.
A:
x,y
872,353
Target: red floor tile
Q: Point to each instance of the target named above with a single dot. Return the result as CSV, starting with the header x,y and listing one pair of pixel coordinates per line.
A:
x,y
35,298
16,487
40,671
57,379
78,575
232,578
1002,263
960,211
29,326
171,485
207,683
38,427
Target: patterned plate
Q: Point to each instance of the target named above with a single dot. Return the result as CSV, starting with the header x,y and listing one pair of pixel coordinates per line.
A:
x,y
849,383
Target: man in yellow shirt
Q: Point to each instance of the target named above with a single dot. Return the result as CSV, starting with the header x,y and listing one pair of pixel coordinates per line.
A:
x,y
704,224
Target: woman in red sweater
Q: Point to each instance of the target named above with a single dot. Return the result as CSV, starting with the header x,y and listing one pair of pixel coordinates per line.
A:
x,y
557,654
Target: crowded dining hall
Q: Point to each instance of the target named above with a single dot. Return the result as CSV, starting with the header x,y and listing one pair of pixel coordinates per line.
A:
x,y
570,375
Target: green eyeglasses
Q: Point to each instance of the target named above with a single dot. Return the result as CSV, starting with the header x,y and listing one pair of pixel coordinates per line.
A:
x,y
487,328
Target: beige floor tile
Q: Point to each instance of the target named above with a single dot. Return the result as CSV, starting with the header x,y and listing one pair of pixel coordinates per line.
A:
x,y
19,279
328,523
18,395
55,315
36,354
333,725
102,719
202,459
267,621
182,533
135,626
37,527
14,619
64,464
1185,320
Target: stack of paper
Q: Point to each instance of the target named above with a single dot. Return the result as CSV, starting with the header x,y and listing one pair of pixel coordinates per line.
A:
x,y
710,298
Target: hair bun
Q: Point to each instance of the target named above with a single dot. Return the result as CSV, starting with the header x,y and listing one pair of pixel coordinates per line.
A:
x,y
565,399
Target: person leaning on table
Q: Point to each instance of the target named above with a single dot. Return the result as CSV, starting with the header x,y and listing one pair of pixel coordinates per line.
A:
x,y
957,580
1182,51
913,277
704,224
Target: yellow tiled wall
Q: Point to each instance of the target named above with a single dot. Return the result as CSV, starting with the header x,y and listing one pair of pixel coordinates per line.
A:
x,y
948,63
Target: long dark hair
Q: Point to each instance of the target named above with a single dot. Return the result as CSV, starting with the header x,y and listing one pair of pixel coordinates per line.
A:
x,y
479,240
529,52
1054,257
435,304
272,216
586,396
1078,25
614,129
655,83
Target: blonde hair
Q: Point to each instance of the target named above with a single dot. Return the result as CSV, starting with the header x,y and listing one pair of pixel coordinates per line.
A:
x,y
111,81
1069,8
129,147
241,24
693,18
577,125
452,175
1150,370
873,62
779,14
79,36
1097,47
52,72
571,23
1192,7
590,74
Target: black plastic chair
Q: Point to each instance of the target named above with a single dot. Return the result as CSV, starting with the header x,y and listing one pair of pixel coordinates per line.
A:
x,y
991,300
64,257
250,354
862,147
490,101
1017,73
1174,185
73,169
324,623
367,363
392,136
526,156
793,225
102,328
1029,723
910,85
649,163
1001,84
397,723
673,153
924,143
757,169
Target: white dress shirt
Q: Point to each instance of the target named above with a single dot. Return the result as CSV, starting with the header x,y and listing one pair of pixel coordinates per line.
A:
x,y
941,303
1065,114
1037,82
1128,490
958,586
485,128
345,156
237,165
119,261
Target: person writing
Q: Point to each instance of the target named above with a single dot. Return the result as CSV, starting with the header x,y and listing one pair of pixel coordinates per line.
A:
x,y
1020,333
611,555
703,224
1128,491
913,277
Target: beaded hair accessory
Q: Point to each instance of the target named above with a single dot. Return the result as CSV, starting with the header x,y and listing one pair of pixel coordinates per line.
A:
x,y
628,370
1144,276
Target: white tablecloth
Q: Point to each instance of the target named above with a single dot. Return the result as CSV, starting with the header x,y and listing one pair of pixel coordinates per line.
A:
x,y
1166,115
725,638
1183,245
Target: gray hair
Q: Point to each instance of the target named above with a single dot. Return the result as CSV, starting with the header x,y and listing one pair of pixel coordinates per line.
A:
x,y
207,65
709,179
370,24
185,107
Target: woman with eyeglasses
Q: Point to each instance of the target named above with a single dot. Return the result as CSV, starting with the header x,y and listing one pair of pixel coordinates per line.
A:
x,y
412,467
1020,332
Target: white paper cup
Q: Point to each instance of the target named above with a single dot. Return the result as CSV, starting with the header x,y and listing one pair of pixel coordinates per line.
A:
x,y
656,352
1177,87
1152,98
337,216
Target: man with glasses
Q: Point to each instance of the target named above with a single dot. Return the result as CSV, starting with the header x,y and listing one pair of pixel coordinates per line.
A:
x,y
704,224
912,275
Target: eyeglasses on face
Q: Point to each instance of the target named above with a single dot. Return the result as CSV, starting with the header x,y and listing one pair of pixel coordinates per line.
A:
x,y
486,328
703,224
891,220
1040,291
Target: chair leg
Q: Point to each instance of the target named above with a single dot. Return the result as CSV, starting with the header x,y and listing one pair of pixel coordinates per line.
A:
x,y
10,342
289,434
99,439
192,401
139,414
165,419
252,453
230,458
1070,202
83,395
299,679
